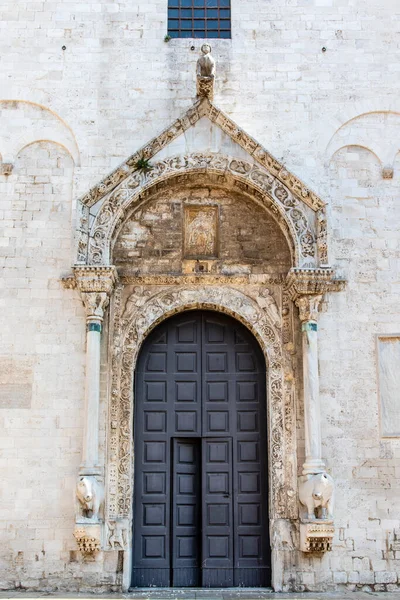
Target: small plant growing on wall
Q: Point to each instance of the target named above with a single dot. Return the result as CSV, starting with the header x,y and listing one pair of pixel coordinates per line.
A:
x,y
143,165
167,38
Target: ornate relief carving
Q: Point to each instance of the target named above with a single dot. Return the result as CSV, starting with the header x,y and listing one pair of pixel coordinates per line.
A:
x,y
308,307
200,233
117,535
201,279
302,282
88,538
267,303
203,107
139,318
270,192
316,536
96,285
322,238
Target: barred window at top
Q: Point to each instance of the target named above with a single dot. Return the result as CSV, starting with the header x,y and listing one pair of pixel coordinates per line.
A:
x,y
199,18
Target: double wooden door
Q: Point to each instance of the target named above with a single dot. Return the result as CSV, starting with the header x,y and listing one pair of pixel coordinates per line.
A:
x,y
200,489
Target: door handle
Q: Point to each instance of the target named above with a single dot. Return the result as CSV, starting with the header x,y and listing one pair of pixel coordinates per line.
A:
x,y
226,496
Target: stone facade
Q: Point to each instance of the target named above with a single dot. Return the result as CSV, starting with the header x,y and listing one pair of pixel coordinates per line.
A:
x,y
94,237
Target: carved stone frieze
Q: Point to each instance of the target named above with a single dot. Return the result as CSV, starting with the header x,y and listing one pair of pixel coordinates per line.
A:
x,y
246,177
133,319
201,279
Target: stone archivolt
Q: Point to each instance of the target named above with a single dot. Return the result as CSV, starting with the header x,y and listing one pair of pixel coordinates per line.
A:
x,y
298,210
204,108
295,220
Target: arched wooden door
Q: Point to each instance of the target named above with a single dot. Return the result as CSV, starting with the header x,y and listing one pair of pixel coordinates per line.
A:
x,y
201,476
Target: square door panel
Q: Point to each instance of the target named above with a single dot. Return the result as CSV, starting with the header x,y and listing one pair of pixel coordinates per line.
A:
x,y
186,516
217,483
248,451
154,452
218,546
186,421
216,362
186,391
186,362
215,333
153,546
155,421
218,515
247,391
245,362
249,483
247,421
217,391
187,333
249,514
154,483
249,546
157,362
217,452
218,421
155,391
154,514
186,484
187,546
186,454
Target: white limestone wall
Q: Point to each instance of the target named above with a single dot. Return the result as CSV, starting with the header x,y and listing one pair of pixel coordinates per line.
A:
x,y
330,116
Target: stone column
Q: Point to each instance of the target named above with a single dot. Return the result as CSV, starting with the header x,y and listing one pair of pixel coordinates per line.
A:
x,y
308,311
96,285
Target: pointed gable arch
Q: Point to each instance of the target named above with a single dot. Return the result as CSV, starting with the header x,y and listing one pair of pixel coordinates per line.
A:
x,y
299,211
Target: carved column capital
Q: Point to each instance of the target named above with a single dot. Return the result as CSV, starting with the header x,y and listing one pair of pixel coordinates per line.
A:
x,y
308,307
96,285
306,287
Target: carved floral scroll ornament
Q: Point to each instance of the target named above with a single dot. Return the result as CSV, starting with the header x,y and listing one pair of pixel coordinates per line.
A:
x,y
272,193
131,330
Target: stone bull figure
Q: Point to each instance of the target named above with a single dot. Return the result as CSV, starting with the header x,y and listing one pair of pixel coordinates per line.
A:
x,y
90,495
316,493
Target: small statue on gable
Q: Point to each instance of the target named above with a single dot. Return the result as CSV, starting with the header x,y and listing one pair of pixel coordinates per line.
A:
x,y
205,73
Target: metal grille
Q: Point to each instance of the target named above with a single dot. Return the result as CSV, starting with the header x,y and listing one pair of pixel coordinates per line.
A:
x,y
199,18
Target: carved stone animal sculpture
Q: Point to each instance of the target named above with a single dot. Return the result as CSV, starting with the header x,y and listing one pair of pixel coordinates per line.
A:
x,y
316,493
206,63
90,494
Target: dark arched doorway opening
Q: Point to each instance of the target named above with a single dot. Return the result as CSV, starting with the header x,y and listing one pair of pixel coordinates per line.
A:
x,y
200,515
